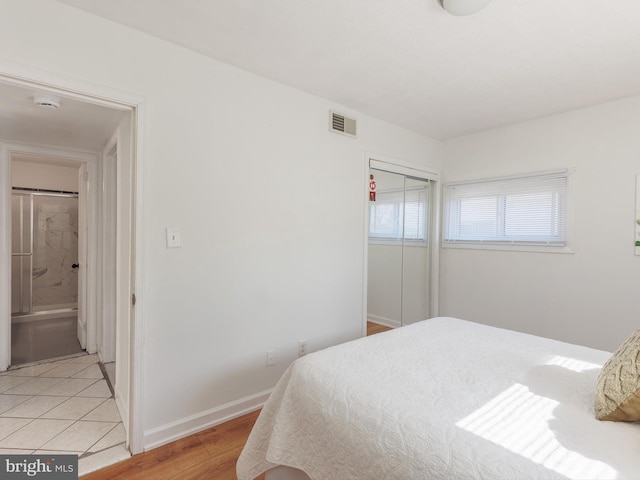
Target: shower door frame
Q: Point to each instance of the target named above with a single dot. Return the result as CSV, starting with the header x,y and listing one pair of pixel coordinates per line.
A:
x,y
31,312
393,165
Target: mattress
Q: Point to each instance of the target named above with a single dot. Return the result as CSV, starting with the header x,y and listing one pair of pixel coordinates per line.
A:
x,y
440,399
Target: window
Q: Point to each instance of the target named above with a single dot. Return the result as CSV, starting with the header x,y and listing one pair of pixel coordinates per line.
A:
x,y
516,211
386,215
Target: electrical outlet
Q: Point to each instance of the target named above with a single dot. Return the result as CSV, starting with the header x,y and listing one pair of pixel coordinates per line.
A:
x,y
271,357
302,348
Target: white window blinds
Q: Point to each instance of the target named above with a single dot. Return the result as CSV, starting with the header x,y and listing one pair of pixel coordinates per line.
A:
x,y
527,210
386,215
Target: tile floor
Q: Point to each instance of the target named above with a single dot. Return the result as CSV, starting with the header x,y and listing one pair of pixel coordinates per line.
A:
x,y
61,407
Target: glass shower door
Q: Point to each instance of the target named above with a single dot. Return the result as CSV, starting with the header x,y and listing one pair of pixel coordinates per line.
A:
x,y
44,255
55,252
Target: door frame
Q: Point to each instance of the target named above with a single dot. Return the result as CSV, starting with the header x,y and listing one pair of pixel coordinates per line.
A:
x,y
87,288
393,165
107,329
130,235
87,202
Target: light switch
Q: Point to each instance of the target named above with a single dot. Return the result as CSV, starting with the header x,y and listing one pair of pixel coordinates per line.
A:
x,y
173,238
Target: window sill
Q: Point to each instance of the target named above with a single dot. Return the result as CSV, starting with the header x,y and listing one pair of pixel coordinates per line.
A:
x,y
509,247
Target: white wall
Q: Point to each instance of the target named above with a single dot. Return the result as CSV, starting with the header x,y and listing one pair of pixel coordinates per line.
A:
x,y
42,175
589,297
270,206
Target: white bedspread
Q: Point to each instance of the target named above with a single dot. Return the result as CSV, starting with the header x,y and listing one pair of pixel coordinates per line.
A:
x,y
442,399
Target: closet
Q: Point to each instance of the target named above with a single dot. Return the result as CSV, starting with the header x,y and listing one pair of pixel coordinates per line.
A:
x,y
399,246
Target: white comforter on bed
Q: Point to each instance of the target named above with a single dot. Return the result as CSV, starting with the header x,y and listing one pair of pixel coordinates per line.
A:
x,y
442,399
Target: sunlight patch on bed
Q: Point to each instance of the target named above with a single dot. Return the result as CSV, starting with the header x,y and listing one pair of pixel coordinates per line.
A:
x,y
518,420
573,364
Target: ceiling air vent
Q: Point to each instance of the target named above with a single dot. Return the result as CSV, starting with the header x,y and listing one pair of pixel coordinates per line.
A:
x,y
341,124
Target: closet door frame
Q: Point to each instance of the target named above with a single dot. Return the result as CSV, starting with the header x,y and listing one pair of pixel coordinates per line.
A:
x,y
393,165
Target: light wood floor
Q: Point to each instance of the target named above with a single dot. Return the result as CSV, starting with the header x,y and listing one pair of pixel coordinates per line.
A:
x,y
373,328
210,454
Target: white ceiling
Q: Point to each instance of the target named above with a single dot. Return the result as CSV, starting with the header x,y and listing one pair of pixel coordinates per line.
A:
x,y
76,124
410,62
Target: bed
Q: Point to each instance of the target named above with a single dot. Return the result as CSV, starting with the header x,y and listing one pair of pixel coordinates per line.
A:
x,y
441,399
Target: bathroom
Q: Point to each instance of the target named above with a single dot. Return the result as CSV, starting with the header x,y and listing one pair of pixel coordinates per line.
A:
x,y
44,260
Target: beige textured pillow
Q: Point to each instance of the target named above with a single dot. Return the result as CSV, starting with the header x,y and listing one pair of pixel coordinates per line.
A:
x,y
618,391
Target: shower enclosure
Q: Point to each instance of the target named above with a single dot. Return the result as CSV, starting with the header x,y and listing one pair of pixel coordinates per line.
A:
x,y
44,258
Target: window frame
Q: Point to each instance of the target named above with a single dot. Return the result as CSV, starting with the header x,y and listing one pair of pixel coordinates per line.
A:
x,y
513,245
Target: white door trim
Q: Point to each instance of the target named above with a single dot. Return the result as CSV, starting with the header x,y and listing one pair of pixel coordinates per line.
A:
x,y
17,74
87,277
380,162
107,319
5,259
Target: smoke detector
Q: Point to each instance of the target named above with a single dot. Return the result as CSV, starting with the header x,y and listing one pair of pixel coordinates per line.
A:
x,y
46,102
464,7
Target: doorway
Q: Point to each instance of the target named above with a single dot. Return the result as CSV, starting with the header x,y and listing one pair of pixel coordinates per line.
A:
x,y
92,117
399,245
44,274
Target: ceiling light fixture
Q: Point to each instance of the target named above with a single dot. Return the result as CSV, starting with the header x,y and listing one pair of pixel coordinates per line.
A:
x,y
46,102
464,7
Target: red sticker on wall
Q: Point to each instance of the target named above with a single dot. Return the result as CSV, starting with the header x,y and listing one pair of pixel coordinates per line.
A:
x,y
372,189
